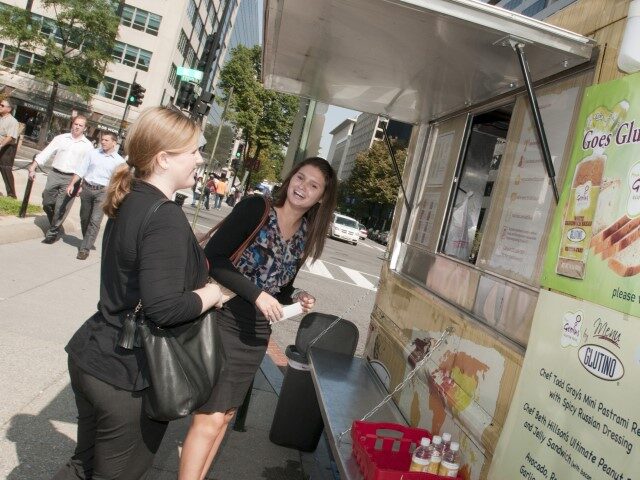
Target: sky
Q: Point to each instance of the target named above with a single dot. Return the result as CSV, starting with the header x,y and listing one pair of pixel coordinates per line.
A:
x,y
333,118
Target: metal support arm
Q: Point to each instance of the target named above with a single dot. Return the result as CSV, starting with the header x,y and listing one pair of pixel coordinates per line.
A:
x,y
396,169
537,118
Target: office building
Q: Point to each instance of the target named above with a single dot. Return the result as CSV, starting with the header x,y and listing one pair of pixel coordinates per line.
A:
x,y
367,129
155,38
340,142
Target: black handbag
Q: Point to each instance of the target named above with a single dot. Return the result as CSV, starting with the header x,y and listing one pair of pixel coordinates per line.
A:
x,y
183,361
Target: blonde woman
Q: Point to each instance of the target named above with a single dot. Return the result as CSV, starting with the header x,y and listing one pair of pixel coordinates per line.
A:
x,y
167,271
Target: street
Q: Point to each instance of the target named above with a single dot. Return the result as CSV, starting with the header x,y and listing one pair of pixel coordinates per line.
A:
x,y
343,276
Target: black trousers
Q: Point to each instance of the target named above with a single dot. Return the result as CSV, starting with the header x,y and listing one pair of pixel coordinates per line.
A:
x,y
116,440
7,157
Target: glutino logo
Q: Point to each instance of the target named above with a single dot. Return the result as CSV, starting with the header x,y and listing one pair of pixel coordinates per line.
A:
x,y
600,362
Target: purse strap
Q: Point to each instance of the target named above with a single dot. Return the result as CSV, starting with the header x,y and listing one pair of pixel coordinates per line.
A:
x,y
235,256
128,338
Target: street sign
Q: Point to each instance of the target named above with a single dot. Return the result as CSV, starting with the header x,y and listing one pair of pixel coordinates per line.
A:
x,y
189,74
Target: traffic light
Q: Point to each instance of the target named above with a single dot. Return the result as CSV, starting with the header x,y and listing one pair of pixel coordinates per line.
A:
x,y
206,51
235,164
203,104
136,95
240,150
186,95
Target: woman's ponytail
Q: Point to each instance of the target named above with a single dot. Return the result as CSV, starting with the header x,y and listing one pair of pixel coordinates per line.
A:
x,y
119,187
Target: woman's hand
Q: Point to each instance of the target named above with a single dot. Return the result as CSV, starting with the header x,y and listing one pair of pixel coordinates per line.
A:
x,y
211,296
269,306
307,300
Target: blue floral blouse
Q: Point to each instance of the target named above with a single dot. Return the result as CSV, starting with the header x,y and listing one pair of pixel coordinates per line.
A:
x,y
271,262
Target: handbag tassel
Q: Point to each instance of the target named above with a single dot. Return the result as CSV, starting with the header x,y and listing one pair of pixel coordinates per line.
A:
x,y
128,334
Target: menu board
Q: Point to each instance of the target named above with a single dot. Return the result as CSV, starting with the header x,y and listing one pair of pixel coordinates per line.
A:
x,y
440,159
529,196
574,413
426,217
594,243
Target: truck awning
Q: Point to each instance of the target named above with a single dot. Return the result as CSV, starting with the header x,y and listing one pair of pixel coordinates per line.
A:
x,y
411,60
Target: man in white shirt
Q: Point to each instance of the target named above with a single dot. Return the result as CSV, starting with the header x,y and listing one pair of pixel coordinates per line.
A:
x,y
9,131
95,172
70,150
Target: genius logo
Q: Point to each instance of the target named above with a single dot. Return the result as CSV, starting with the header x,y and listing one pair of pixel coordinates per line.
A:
x,y
600,362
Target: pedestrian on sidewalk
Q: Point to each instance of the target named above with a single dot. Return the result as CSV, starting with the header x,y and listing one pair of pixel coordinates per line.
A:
x,y
221,190
194,189
262,278
95,173
9,131
208,188
166,272
69,150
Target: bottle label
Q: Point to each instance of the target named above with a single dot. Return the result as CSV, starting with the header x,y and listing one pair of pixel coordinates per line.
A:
x,y
419,464
448,469
434,466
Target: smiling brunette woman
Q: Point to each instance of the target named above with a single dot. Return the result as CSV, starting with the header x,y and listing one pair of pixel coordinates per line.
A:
x,y
161,266
262,278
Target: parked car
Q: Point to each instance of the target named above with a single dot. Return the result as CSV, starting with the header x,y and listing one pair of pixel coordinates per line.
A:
x,y
344,228
383,237
363,231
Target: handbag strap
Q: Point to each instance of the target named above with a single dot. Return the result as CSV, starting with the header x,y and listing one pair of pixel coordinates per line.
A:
x,y
235,256
128,338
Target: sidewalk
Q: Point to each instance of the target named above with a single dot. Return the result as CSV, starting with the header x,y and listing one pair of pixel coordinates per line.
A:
x,y
45,295
14,229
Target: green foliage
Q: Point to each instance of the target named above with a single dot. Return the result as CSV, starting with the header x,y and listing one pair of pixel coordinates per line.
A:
x,y
373,179
271,161
75,44
265,117
11,206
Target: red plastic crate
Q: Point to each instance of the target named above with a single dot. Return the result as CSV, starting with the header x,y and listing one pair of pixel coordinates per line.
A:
x,y
383,450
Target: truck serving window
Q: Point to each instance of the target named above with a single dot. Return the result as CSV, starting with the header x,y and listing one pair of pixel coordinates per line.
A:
x,y
472,197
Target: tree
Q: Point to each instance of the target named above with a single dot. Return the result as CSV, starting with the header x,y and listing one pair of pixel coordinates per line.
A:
x,y
373,182
265,117
74,44
271,161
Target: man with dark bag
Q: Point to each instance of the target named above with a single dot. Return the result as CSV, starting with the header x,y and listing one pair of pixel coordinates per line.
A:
x,y
9,131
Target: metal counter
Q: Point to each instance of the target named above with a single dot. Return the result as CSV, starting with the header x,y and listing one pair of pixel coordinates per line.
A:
x,y
347,388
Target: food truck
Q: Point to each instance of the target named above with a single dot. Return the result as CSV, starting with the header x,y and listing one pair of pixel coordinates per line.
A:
x,y
520,225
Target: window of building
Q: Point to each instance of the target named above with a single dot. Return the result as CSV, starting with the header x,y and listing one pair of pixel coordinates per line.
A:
x,y
131,56
19,60
114,89
198,29
191,9
183,44
211,11
140,20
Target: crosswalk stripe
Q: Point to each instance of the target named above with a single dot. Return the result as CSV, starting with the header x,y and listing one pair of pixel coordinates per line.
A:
x,y
318,268
358,278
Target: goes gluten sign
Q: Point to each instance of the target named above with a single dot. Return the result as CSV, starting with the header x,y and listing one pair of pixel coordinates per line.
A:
x,y
594,242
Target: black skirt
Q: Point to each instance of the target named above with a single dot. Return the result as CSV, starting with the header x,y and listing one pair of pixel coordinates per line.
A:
x,y
245,345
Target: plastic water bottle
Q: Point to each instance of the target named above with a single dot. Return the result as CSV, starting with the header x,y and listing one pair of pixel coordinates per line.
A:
x,y
436,454
446,442
450,463
421,456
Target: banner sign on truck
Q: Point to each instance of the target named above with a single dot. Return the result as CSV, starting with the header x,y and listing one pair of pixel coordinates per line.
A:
x,y
594,243
574,414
